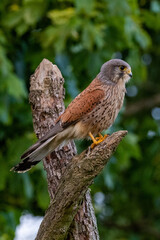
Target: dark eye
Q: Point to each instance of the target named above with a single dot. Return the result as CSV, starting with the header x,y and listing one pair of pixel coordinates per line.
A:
x,y
122,68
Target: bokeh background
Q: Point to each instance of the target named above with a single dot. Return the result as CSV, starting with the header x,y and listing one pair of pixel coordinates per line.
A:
x,y
79,36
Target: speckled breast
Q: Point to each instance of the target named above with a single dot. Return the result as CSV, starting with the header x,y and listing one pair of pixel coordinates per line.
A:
x,y
105,113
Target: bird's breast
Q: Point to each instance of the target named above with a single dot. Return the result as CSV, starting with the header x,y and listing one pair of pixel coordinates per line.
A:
x,y
105,113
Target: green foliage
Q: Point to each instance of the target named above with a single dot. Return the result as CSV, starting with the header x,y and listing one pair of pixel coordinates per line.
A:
x,y
79,36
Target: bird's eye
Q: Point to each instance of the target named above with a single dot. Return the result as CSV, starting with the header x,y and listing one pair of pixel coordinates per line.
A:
x,y
122,68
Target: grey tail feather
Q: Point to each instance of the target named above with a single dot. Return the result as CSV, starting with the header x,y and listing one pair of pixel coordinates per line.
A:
x,y
51,133
38,151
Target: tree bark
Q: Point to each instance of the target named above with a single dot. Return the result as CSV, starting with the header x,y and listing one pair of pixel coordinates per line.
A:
x,y
46,99
77,177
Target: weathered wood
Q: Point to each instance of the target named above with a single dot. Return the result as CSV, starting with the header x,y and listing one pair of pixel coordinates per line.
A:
x,y
73,185
46,98
84,225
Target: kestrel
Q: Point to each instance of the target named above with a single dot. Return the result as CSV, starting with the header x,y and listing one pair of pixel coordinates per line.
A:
x,y
92,111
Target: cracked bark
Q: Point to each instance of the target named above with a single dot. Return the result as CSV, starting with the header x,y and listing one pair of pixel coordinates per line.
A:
x,y
70,214
73,185
46,99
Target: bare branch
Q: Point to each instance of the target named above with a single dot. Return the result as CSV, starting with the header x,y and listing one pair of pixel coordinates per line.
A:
x,y
78,176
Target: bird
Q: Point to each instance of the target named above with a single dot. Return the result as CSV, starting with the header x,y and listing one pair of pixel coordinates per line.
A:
x,y
92,111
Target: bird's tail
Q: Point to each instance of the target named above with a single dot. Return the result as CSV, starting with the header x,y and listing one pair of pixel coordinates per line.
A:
x,y
39,150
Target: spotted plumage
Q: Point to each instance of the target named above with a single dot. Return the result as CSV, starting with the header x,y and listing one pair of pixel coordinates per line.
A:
x,y
92,111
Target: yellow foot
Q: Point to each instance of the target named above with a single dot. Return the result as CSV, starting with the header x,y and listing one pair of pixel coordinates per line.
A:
x,y
97,140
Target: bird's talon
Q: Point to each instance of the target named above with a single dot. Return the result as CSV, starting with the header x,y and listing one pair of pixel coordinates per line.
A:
x,y
98,140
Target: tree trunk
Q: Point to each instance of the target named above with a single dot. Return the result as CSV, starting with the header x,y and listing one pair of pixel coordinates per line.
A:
x,y
74,183
46,98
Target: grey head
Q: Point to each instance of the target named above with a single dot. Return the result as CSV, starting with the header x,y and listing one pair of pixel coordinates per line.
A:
x,y
115,70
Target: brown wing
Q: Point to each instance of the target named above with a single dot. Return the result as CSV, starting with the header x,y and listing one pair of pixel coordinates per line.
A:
x,y
84,103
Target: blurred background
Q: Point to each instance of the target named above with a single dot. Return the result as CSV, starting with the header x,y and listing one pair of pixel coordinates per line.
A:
x,y
79,36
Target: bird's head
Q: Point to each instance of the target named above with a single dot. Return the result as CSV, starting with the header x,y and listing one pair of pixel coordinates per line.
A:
x,y
115,70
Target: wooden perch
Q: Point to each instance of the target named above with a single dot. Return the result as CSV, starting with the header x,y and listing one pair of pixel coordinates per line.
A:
x,y
77,178
70,215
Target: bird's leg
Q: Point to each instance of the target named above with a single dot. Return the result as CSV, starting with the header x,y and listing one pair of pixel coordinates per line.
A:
x,y
97,140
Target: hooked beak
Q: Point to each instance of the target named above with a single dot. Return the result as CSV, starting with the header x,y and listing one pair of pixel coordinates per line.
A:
x,y
128,71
